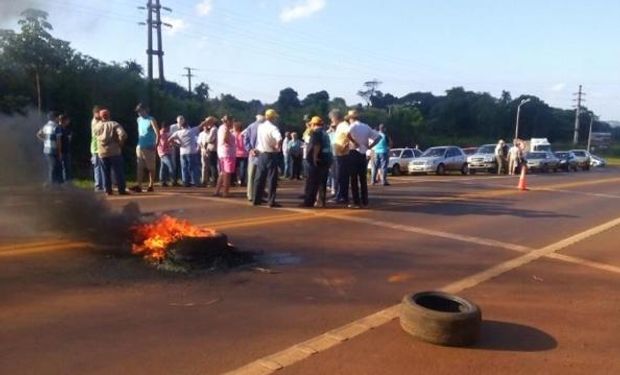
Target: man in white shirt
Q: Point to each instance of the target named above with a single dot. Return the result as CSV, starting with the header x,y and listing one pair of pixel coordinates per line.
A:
x,y
513,158
363,138
499,156
176,155
268,145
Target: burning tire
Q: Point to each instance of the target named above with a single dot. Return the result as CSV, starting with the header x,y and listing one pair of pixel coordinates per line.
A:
x,y
440,318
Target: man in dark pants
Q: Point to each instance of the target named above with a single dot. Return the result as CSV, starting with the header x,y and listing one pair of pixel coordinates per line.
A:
x,y
341,151
318,158
364,138
268,145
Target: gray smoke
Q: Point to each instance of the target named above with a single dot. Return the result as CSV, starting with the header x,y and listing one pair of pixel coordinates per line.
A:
x,y
11,9
28,208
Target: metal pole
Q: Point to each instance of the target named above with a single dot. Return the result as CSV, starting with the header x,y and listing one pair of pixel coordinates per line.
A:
x,y
590,133
149,30
160,51
517,126
577,114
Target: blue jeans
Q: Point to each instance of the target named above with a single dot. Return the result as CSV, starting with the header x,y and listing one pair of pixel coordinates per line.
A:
x,y
380,164
166,168
288,166
54,169
190,169
97,172
66,167
332,177
113,164
242,170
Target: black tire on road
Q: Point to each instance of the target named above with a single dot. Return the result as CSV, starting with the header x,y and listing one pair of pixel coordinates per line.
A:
x,y
440,318
441,169
465,169
396,170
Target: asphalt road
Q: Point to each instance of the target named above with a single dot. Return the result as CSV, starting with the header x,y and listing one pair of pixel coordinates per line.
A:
x,y
69,306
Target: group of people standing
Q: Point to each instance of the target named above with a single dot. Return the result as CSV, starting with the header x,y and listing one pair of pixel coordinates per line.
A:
x,y
509,158
221,153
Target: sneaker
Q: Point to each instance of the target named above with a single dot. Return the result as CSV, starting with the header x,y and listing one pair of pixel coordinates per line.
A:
x,y
164,184
123,193
136,189
275,205
354,206
150,189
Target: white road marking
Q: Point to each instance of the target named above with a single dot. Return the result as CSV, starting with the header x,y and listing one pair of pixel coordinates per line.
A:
x,y
295,353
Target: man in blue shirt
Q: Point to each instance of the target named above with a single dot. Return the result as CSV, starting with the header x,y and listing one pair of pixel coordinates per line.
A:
x,y
382,157
51,136
146,150
250,135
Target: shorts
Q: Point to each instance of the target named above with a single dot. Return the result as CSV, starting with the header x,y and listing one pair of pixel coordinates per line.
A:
x,y
227,164
147,159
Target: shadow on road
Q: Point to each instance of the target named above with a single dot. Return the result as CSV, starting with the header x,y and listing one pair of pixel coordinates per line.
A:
x,y
505,336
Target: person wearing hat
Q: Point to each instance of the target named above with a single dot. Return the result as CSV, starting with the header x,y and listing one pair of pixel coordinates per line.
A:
x,y
341,146
319,161
268,145
146,150
110,137
500,156
364,138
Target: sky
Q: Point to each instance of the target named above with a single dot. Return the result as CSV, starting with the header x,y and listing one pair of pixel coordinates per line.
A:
x,y
254,48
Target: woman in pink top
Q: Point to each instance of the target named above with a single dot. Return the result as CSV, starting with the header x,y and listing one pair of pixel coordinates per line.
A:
x,y
226,153
164,149
242,154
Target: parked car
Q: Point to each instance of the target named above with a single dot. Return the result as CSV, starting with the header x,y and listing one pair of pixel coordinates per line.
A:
x,y
583,159
484,159
568,161
400,159
439,160
597,161
541,161
470,150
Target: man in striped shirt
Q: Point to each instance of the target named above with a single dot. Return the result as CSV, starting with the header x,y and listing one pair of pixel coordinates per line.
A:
x,y
51,136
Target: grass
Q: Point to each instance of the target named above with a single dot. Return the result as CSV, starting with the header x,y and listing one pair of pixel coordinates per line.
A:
x,y
613,161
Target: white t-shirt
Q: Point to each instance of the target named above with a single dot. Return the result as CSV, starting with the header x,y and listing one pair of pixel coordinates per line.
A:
x,y
203,140
268,137
188,139
363,135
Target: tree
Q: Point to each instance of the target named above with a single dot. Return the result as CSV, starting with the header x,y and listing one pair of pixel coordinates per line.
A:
x,y
35,49
368,92
288,100
133,67
316,104
202,91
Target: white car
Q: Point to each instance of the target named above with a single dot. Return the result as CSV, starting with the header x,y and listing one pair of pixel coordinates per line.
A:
x,y
399,159
439,160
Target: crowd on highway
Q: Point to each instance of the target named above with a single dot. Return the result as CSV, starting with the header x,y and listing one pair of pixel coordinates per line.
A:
x,y
332,158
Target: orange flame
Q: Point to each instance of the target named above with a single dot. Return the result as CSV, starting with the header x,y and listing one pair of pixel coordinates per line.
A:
x,y
151,240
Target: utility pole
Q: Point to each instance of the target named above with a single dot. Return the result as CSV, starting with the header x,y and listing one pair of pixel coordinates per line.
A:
x,y
153,7
592,118
189,76
580,94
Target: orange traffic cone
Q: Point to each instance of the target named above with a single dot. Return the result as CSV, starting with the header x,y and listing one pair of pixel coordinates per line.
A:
x,y
523,180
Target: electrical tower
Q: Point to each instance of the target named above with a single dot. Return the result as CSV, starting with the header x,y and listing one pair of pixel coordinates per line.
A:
x,y
153,22
189,76
580,99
